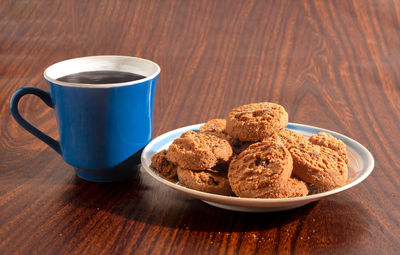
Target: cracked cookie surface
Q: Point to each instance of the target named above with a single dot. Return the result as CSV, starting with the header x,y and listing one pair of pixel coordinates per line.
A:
x,y
320,166
329,141
291,138
217,127
199,151
260,166
254,122
292,187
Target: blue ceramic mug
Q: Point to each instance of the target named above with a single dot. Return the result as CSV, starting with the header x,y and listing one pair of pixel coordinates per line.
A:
x,y
99,125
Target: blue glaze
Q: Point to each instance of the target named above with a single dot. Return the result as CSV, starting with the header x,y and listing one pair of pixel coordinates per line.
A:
x,y
100,127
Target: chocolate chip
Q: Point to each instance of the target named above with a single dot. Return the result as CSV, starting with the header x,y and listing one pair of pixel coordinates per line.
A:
x,y
263,163
258,113
243,115
237,143
213,181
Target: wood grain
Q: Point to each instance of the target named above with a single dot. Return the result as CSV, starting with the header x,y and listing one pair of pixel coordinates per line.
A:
x,y
332,64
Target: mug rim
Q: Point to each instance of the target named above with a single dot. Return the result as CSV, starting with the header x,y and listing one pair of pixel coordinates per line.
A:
x,y
106,85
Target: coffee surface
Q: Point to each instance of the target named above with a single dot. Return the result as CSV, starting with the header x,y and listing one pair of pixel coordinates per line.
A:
x,y
101,77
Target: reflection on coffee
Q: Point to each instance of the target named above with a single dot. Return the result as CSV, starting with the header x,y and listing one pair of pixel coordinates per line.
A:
x,y
101,77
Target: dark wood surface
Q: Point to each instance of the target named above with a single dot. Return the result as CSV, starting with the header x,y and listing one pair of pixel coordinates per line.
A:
x,y
332,64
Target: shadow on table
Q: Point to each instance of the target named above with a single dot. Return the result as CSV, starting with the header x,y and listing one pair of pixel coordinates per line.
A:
x,y
325,226
144,200
196,215
331,223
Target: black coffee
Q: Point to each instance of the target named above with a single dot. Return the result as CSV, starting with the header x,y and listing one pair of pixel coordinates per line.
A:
x,y
101,77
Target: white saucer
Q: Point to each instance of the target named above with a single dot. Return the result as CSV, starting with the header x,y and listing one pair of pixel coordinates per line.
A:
x,y
360,166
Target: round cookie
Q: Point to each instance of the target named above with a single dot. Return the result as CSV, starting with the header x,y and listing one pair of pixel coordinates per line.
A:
x,y
258,167
210,180
199,151
329,141
254,122
319,165
163,166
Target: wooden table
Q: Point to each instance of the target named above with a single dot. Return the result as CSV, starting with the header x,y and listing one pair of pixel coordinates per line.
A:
x,y
332,64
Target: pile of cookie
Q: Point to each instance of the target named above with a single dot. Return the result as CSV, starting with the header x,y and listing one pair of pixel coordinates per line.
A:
x,y
250,154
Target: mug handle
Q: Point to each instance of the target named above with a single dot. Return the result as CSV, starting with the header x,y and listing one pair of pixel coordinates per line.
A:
x,y
25,124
